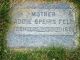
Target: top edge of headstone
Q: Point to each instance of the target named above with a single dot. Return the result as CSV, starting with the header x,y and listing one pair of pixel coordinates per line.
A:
x,y
43,5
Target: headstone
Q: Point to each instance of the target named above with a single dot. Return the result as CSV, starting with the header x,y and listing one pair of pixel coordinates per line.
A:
x,y
42,25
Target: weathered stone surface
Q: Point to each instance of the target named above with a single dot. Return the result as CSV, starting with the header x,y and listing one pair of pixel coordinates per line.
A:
x,y
42,25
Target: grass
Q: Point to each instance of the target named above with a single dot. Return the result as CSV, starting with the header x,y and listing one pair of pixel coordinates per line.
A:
x,y
46,54
37,54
